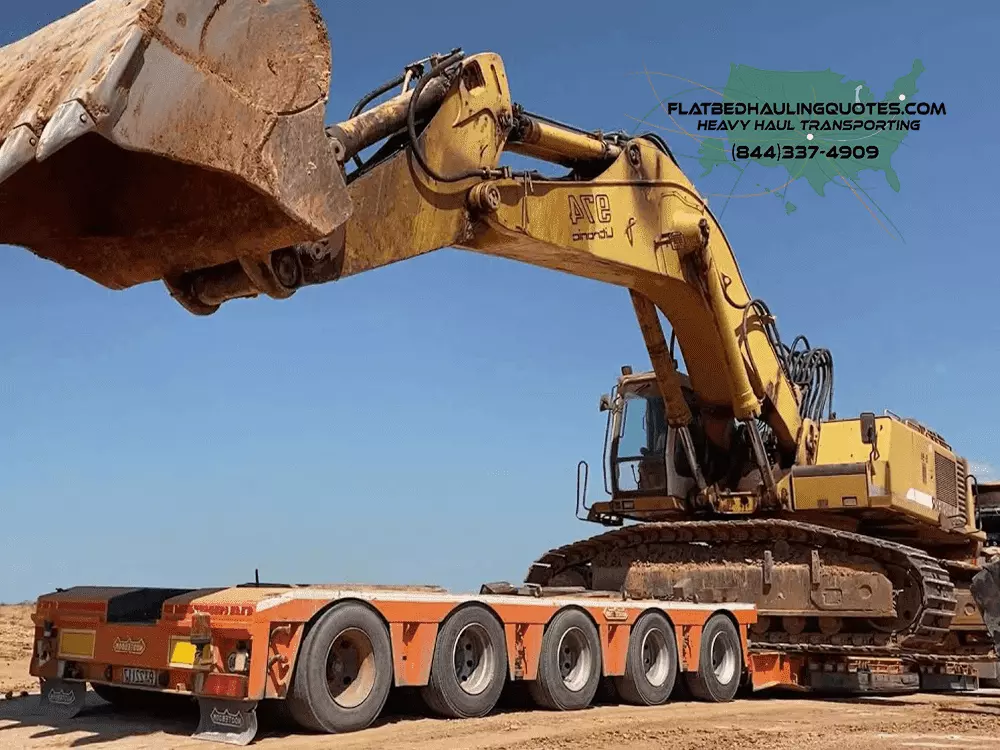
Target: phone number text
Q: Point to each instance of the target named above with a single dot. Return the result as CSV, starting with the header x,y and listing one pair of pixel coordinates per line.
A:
x,y
779,152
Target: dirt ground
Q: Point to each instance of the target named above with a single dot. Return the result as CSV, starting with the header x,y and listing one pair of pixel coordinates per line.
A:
x,y
15,648
764,722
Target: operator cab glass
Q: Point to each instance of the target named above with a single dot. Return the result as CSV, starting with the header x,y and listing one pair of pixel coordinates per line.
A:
x,y
638,456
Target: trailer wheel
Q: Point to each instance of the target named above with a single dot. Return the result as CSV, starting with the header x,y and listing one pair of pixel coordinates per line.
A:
x,y
343,672
651,662
569,668
720,662
469,667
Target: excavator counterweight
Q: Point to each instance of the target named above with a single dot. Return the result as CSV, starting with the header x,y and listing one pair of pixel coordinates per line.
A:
x,y
140,139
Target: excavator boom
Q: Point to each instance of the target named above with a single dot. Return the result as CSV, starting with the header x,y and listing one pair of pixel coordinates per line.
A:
x,y
136,134
626,215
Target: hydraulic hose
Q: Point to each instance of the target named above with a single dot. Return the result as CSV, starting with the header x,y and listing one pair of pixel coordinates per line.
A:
x,y
411,125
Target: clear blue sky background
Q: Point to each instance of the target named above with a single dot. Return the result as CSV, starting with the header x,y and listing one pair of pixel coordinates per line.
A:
x,y
423,423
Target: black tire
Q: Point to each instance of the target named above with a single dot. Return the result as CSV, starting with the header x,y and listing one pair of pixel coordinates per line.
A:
x,y
364,671
651,662
472,687
720,662
569,634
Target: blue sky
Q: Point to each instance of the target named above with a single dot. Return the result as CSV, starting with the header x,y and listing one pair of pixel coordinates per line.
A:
x,y
422,423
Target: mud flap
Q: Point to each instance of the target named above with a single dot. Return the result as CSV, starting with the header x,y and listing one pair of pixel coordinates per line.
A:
x,y
232,722
65,699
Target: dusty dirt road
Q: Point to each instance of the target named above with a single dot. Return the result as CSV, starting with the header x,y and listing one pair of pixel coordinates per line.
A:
x,y
15,648
968,722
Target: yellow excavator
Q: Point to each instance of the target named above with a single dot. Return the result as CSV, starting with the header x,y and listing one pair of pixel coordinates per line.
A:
x,y
184,141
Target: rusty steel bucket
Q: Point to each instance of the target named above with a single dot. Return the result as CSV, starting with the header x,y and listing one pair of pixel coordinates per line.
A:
x,y
140,139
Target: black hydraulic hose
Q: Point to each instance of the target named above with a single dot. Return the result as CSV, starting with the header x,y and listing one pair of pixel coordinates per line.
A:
x,y
375,94
661,144
411,123
810,369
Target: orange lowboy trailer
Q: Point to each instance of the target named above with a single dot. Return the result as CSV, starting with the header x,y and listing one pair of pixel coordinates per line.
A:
x,y
331,653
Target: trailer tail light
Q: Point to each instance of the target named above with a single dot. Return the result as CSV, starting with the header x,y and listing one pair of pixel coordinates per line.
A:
x,y
223,686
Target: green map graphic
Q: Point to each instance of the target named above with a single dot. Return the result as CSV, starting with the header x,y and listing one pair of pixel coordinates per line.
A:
x,y
755,86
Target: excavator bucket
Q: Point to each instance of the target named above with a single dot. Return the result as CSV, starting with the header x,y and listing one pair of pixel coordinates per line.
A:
x,y
140,139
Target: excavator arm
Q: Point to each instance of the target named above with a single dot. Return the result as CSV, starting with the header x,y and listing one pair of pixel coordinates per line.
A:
x,y
625,214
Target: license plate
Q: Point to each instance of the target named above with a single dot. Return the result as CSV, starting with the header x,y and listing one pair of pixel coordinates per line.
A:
x,y
134,676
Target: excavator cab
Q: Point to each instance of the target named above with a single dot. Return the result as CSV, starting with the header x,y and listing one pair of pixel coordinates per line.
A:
x,y
641,450
639,446
143,139
649,475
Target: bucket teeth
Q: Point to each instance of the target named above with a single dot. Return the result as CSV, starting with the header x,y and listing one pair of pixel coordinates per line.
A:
x,y
17,150
70,121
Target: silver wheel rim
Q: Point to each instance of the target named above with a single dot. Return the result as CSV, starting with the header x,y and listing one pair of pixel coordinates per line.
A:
x,y
723,659
350,668
655,657
473,659
575,659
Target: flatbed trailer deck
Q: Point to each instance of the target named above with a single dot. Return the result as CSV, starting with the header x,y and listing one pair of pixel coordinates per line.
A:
x,y
334,652
330,654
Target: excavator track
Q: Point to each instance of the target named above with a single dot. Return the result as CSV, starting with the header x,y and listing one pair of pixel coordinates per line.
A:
x,y
919,629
